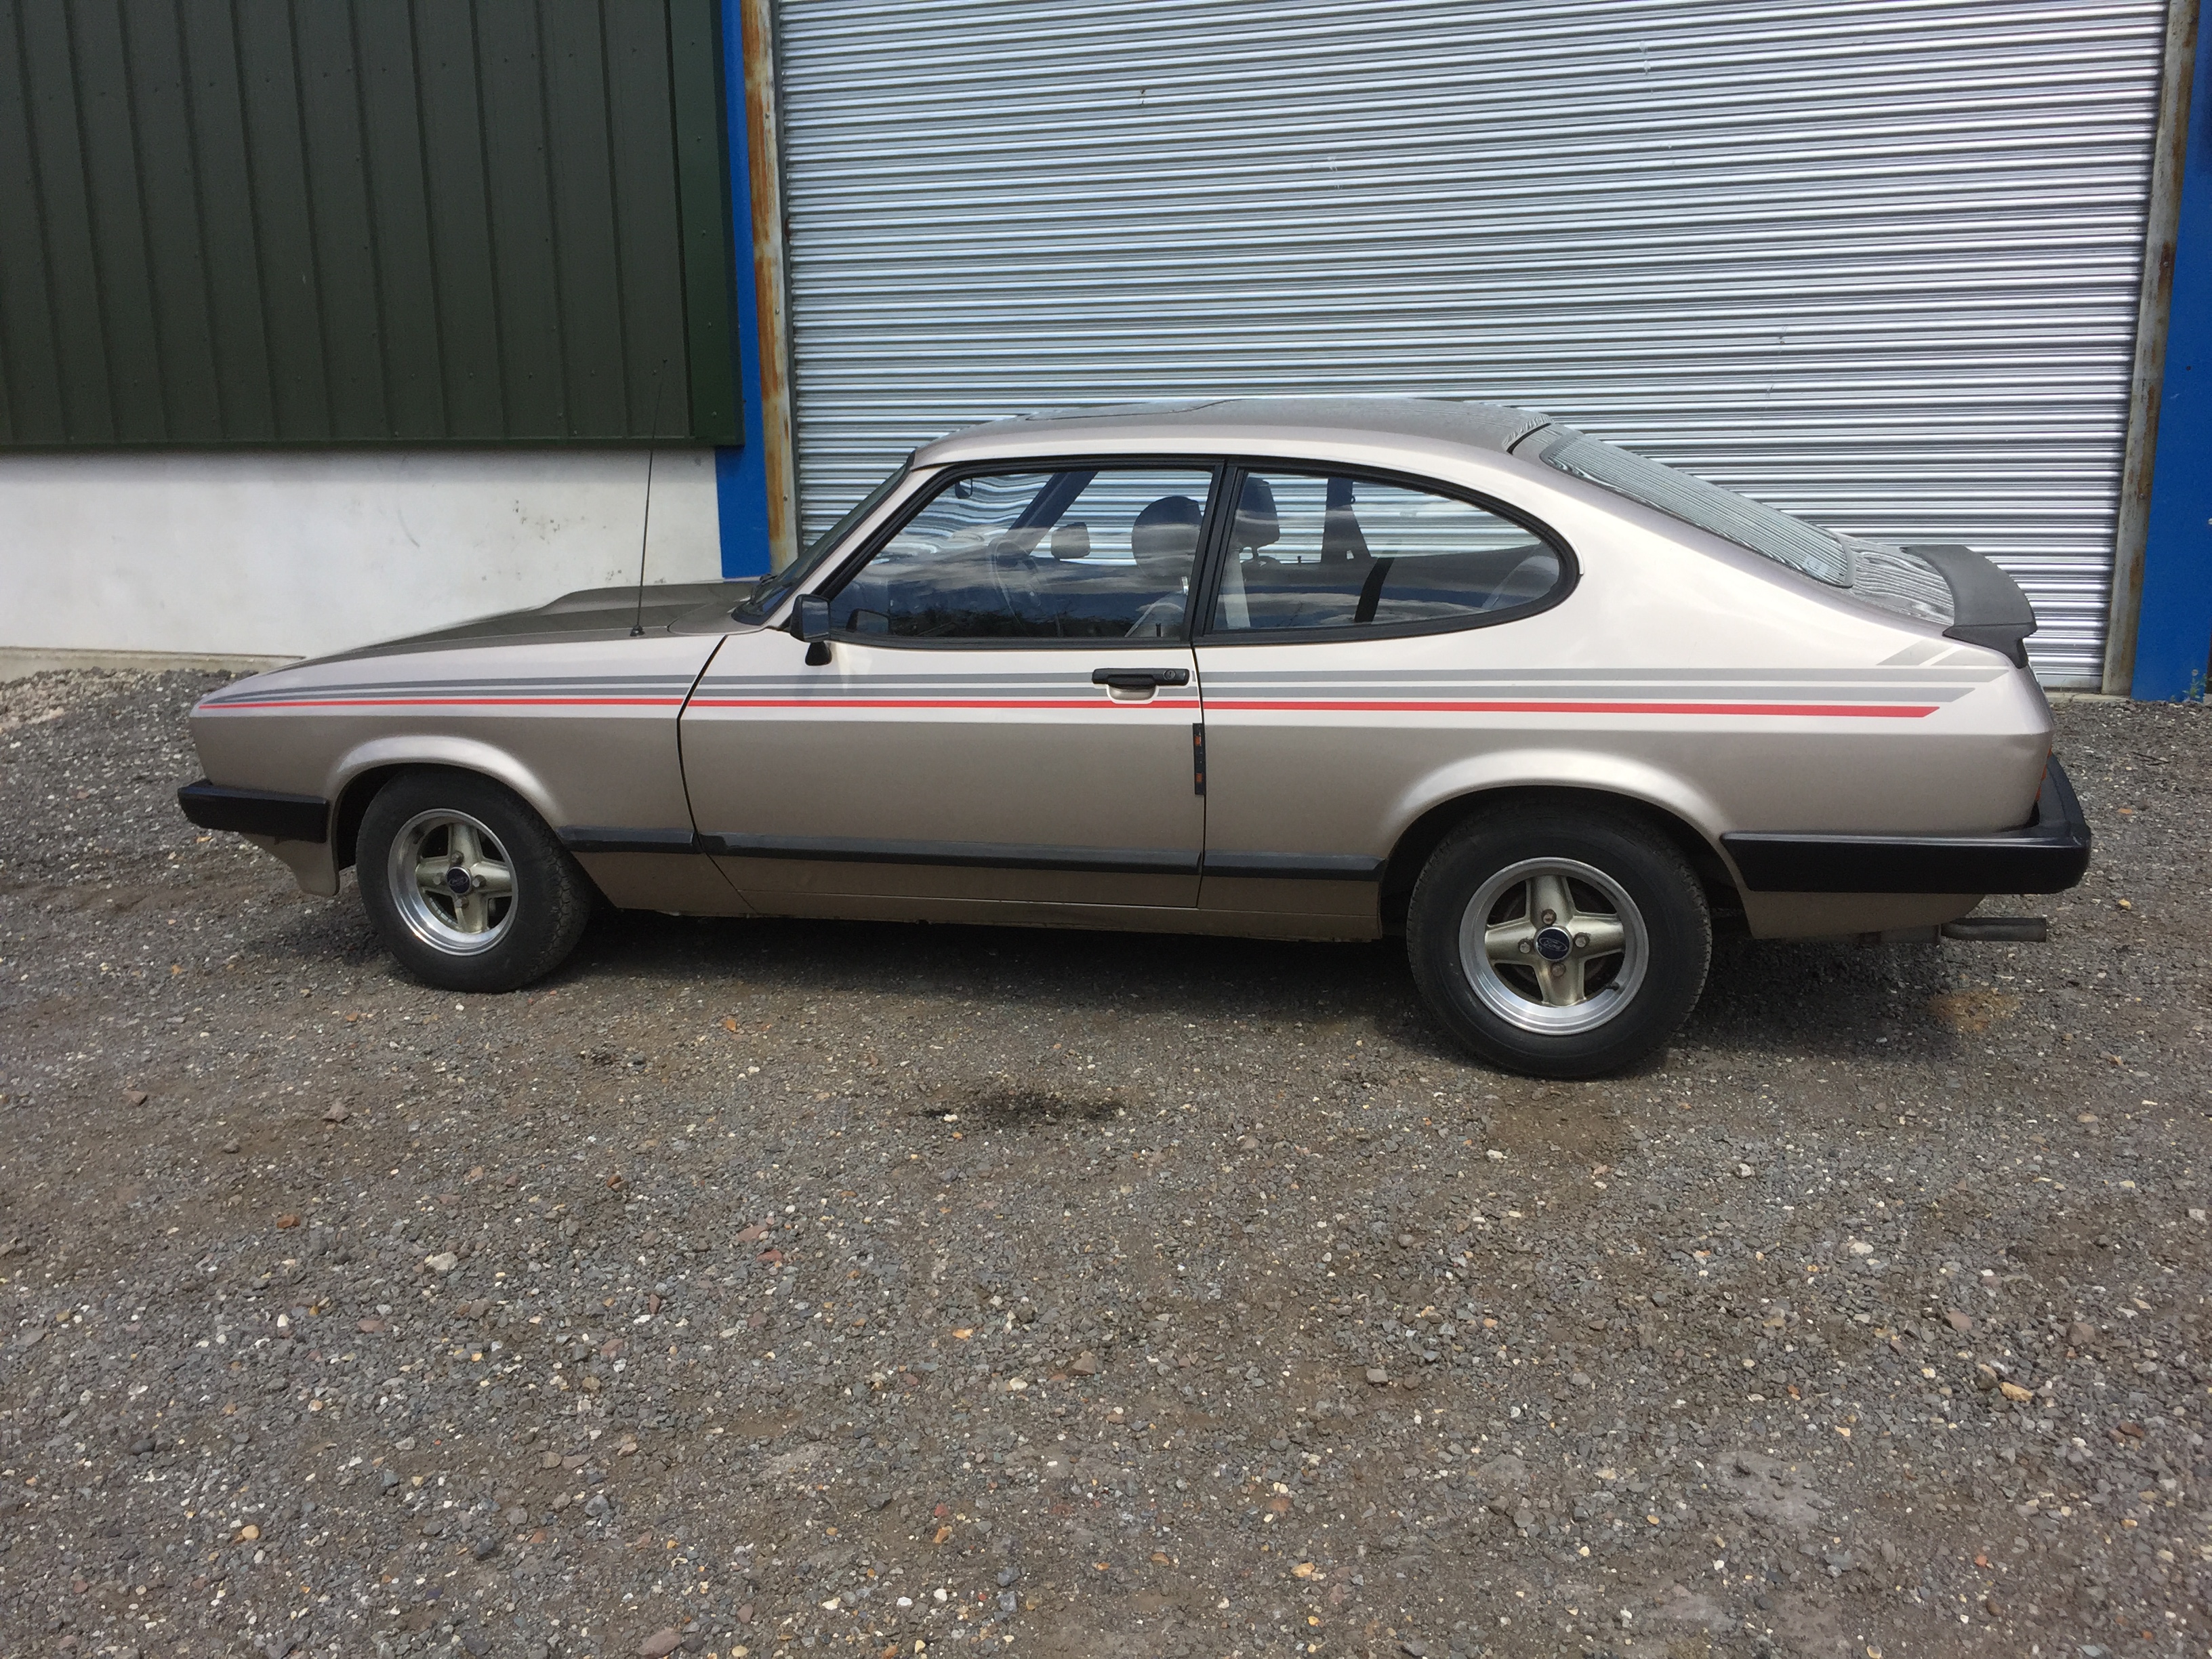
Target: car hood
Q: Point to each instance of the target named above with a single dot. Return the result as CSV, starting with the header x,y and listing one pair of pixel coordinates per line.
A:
x,y
601,612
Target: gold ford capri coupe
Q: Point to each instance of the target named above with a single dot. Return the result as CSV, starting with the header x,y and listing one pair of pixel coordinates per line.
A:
x,y
1286,668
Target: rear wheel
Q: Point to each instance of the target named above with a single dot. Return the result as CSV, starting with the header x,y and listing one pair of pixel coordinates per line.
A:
x,y
468,889
1559,944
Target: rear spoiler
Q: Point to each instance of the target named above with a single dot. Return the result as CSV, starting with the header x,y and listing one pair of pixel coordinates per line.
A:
x,y
1987,607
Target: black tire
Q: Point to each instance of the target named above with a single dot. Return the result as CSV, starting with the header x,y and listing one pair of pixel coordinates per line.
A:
x,y
1605,1009
482,940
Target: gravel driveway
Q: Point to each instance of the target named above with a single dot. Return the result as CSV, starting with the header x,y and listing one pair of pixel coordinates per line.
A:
x,y
760,1287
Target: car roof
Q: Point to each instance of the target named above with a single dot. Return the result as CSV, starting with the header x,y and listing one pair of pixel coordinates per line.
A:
x,y
1240,425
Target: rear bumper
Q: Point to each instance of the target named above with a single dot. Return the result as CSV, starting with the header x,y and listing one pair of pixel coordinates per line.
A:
x,y
2046,854
256,812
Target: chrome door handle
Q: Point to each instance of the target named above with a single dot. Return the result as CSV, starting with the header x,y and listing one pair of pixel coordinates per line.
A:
x,y
1140,679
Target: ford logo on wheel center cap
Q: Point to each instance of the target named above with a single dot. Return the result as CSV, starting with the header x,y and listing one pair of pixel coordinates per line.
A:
x,y
1553,944
457,879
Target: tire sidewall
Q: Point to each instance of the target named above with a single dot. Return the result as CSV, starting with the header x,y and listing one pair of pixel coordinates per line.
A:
x,y
1677,925
552,895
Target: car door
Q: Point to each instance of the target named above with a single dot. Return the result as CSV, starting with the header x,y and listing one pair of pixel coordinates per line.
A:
x,y
1005,708
1342,666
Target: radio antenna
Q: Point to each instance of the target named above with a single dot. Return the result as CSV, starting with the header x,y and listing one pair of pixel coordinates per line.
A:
x,y
652,453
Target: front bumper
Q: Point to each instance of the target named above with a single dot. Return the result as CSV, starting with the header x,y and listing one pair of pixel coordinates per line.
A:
x,y
2046,854
256,812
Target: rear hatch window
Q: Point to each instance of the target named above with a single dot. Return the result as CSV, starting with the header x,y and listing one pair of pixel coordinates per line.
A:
x,y
1875,572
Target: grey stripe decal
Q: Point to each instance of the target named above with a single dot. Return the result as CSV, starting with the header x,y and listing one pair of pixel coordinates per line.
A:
x,y
1555,693
871,683
1592,676
844,688
496,680
658,685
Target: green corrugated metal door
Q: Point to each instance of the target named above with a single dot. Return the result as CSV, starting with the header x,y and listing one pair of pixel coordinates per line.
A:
x,y
363,220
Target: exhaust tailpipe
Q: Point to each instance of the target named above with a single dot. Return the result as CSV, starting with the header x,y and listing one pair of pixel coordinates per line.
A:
x,y
1999,930
1968,930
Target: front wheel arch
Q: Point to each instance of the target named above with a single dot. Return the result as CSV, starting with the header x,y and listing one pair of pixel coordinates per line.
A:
x,y
1410,855
367,768
364,786
352,806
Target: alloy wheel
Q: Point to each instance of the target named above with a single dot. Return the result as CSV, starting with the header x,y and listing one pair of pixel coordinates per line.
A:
x,y
1553,946
452,882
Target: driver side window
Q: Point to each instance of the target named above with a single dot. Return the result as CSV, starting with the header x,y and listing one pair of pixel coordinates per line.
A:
x,y
1087,553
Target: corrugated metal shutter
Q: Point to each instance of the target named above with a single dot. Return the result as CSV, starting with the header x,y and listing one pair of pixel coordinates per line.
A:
x,y
1875,262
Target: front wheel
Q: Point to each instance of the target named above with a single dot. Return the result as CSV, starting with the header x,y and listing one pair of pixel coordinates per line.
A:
x,y
468,889
1559,944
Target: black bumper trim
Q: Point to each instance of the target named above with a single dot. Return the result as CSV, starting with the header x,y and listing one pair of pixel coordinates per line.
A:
x,y
601,838
256,812
2047,854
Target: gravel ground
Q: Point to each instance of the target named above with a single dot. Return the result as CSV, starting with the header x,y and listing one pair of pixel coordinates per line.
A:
x,y
759,1287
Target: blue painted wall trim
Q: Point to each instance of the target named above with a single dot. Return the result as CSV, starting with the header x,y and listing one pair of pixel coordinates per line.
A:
x,y
741,473
2173,639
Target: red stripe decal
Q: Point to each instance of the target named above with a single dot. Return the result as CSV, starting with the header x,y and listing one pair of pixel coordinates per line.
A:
x,y
941,703
1827,710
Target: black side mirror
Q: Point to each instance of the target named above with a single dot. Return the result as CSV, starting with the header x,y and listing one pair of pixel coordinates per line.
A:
x,y
811,623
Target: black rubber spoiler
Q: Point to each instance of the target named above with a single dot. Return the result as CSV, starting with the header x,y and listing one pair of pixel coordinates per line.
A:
x,y
1987,606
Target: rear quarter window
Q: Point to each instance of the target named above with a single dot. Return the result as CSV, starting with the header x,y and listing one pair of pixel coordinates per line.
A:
x,y
1333,552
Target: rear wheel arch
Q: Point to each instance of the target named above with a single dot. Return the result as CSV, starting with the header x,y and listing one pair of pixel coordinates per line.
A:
x,y
1421,838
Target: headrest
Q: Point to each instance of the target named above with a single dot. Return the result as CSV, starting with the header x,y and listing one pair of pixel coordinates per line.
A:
x,y
1256,523
1168,526
1071,540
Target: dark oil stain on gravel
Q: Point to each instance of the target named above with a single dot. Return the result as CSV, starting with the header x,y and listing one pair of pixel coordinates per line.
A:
x,y
772,1287
1024,1108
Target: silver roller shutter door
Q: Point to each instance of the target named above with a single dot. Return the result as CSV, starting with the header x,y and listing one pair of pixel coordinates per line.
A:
x,y
1874,262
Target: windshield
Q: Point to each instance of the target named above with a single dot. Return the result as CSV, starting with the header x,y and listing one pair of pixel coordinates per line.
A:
x,y
1805,548
769,592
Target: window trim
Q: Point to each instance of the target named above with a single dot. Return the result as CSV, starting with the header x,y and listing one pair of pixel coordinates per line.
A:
x,y
851,565
1216,552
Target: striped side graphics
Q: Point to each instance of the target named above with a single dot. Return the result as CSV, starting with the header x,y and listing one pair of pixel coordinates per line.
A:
x,y
1067,691
566,691
1880,693
1804,694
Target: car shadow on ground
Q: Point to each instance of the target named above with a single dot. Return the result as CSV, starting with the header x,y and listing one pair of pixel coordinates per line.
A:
x,y
1819,999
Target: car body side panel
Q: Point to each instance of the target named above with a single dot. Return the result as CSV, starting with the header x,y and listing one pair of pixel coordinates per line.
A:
x,y
986,774
582,728
1681,672
678,884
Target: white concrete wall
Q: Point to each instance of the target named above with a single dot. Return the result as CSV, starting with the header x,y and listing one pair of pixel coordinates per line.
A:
x,y
285,553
